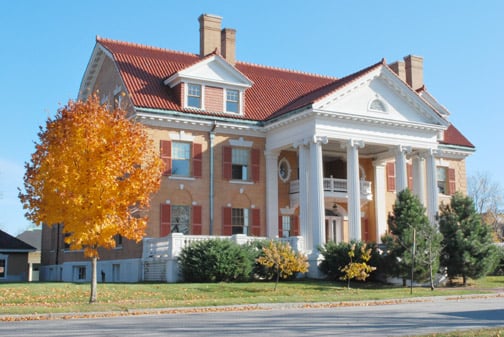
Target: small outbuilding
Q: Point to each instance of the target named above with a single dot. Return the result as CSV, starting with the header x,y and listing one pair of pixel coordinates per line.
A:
x,y
14,252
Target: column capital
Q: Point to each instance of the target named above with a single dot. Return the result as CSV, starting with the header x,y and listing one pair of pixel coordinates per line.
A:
x,y
300,143
320,139
403,149
379,163
429,152
350,143
272,154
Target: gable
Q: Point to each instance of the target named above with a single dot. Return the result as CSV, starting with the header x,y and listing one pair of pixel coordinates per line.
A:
x,y
213,69
381,96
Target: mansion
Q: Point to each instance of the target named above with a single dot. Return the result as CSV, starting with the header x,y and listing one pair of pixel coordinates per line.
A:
x,y
253,151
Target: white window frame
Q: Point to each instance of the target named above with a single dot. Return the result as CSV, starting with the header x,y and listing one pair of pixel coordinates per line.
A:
x,y
445,169
245,217
189,159
246,168
238,101
202,96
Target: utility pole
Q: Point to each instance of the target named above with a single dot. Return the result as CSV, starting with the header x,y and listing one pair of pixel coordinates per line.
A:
x,y
412,260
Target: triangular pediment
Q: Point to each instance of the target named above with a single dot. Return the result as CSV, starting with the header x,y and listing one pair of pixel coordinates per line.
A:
x,y
212,69
380,95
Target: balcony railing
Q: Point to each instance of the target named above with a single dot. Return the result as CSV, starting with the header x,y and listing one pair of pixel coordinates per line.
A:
x,y
333,185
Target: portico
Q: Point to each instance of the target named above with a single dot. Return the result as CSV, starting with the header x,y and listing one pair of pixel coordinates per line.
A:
x,y
348,161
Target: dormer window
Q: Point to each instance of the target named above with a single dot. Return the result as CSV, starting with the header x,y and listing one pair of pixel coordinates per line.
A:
x,y
194,96
232,101
212,85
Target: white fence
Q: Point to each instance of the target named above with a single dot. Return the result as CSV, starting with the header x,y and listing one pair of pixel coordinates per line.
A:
x,y
160,255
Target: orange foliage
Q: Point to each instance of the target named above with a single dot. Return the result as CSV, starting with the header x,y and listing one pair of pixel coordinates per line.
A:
x,y
93,171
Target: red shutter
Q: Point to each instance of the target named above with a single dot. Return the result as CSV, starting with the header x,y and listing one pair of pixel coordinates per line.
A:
x,y
255,155
196,220
390,177
227,228
280,228
227,158
295,225
197,160
165,148
256,222
165,227
409,170
451,181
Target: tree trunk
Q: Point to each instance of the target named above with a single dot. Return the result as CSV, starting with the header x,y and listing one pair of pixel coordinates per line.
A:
x,y
94,285
277,276
464,280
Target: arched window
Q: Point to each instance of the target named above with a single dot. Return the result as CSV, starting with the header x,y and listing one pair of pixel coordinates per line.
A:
x,y
377,105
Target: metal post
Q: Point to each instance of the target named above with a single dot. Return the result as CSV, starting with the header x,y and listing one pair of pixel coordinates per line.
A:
x,y
412,260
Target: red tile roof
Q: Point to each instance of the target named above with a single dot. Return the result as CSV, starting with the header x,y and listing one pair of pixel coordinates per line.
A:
x,y
452,136
275,91
144,68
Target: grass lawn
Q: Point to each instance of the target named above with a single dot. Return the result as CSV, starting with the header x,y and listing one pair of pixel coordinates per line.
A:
x,y
43,298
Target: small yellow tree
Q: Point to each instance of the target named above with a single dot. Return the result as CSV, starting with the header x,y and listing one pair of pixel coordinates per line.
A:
x,y
283,260
357,270
94,172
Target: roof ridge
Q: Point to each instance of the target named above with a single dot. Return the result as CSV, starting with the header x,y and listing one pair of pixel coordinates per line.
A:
x,y
140,45
286,70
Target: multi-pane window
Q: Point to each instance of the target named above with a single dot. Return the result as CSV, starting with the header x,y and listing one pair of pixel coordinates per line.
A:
x,y
286,225
240,163
239,220
232,100
180,219
194,96
442,180
181,159
3,264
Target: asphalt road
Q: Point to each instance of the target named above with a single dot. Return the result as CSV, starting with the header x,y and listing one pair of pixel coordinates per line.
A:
x,y
420,317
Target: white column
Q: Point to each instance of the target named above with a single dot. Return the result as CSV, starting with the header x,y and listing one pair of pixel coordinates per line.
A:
x,y
400,168
353,188
419,177
272,193
379,198
305,229
316,188
432,189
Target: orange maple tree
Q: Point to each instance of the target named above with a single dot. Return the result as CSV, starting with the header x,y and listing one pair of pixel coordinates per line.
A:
x,y
93,171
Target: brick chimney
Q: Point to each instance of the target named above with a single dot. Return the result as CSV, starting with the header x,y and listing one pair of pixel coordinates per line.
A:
x,y
410,70
399,68
414,71
228,44
210,33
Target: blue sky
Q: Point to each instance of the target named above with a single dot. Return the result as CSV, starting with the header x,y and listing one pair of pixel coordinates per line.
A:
x,y
46,46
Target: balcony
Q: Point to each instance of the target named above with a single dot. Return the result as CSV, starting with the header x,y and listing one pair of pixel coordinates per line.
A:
x,y
337,188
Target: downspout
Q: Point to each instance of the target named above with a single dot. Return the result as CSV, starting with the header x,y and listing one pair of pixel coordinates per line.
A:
x,y
211,196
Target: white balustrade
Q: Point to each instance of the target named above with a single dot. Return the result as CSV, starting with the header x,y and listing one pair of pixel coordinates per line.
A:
x,y
334,185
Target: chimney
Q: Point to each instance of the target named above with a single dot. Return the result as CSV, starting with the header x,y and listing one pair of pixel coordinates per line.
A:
x,y
414,71
210,33
399,68
228,44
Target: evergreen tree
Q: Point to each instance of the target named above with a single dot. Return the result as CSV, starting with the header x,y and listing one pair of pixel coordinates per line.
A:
x,y
409,224
468,250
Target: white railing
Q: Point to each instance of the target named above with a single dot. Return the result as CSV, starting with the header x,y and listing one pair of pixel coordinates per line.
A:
x,y
334,185
170,246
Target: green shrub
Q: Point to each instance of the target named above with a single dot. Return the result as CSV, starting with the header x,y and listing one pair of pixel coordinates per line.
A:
x,y
336,257
216,260
499,265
